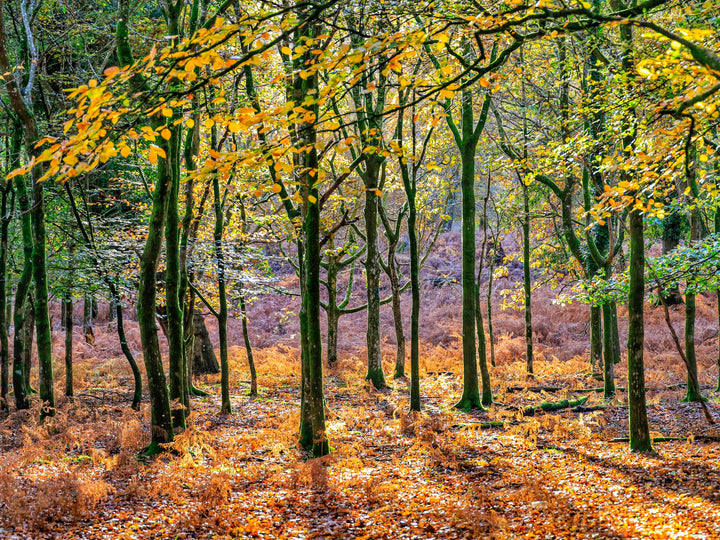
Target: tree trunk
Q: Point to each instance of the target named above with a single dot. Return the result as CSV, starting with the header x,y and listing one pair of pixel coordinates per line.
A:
x,y
161,417
615,332
372,271
482,349
671,235
180,401
332,312
222,316
609,375
596,340
639,428
204,359
397,318
248,345
20,322
415,308
68,324
88,331
42,311
491,336
28,337
693,392
470,398
333,319
717,389
311,308
527,283
4,338
137,388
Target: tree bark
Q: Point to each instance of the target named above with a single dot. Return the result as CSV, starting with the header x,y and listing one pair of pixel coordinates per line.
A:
x,y
248,345
222,314
596,340
527,281
470,398
639,428
68,324
609,375
204,359
375,372
88,331
179,396
161,417
4,338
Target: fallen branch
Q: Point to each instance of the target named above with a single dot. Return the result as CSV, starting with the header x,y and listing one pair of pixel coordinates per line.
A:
x,y
537,389
550,406
671,439
480,425
591,408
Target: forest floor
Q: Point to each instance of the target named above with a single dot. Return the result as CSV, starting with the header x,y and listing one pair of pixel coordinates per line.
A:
x,y
392,474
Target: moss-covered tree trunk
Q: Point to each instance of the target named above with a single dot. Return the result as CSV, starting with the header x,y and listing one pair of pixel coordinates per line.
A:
x,y
717,230
42,311
527,281
693,391
4,338
28,339
375,372
615,332
470,398
639,428
161,417
672,226
177,370
609,357
160,414
415,307
596,340
332,311
204,359
20,103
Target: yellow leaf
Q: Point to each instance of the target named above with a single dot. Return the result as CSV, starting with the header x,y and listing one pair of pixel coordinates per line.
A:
x,y
286,50
484,82
234,127
311,199
167,113
125,151
165,134
190,123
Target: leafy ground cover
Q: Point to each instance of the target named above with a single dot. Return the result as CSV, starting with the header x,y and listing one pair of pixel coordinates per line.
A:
x,y
440,474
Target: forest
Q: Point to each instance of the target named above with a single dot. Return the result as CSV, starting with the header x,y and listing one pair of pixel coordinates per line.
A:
x,y
360,269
